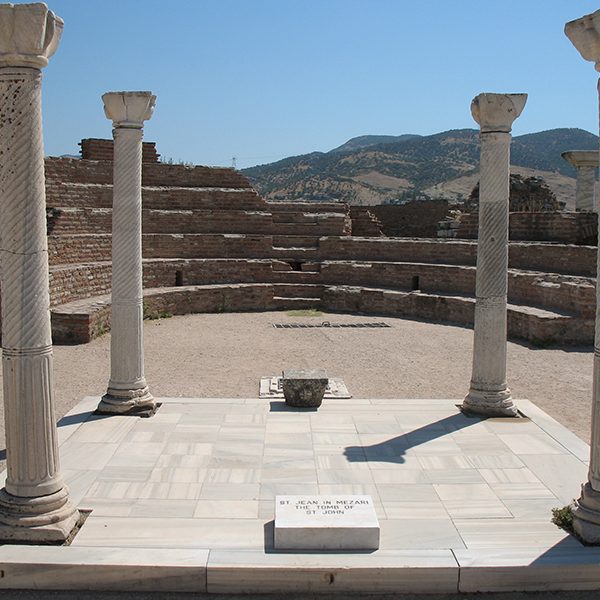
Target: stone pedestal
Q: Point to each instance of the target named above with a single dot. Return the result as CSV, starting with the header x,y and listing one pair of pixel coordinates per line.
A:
x,y
127,391
584,33
586,163
304,388
489,393
34,505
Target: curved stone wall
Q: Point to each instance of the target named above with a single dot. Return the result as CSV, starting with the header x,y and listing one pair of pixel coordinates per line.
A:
x,y
211,243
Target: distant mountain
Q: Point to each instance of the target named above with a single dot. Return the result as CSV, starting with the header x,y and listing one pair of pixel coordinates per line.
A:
x,y
363,141
376,169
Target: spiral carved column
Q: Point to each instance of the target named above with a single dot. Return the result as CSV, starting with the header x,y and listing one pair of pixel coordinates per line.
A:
x,y
35,504
128,391
489,393
584,33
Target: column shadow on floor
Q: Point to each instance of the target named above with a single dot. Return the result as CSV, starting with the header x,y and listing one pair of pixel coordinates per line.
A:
x,y
394,449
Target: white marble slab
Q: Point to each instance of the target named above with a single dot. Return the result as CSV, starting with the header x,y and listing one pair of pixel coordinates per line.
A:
x,y
344,522
411,571
107,568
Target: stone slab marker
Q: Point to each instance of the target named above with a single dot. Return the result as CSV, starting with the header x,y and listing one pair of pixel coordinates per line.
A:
x,y
35,504
489,393
586,163
127,389
344,522
585,35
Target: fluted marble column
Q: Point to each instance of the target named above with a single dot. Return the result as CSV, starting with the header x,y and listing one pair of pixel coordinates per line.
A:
x,y
584,33
35,504
489,393
586,163
127,389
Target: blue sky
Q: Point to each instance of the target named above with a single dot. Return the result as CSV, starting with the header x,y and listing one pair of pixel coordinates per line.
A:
x,y
266,79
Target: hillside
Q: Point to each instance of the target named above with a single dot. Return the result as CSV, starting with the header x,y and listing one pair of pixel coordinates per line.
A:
x,y
372,170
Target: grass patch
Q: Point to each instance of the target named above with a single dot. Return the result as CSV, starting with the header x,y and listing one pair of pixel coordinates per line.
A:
x,y
304,312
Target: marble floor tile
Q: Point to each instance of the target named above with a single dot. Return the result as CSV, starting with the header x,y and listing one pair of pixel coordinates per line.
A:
x,y
333,438
101,507
225,491
511,533
335,476
460,476
415,492
333,461
563,474
445,461
539,509
399,475
525,443
421,509
522,475
233,476
282,461
77,456
178,475
484,460
183,460
245,419
191,448
288,427
128,532
286,475
268,491
79,482
521,490
419,533
105,429
226,509
163,508
124,474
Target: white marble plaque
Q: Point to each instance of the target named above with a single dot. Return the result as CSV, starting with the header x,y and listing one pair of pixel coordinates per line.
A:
x,y
344,522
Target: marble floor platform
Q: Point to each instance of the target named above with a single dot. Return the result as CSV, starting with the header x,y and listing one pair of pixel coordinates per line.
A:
x,y
184,501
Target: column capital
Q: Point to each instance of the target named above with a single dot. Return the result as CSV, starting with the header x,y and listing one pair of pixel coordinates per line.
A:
x,y
29,35
581,158
496,112
584,34
128,109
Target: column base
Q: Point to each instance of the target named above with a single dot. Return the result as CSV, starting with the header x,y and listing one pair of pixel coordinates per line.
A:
x,y
586,517
490,404
139,403
40,520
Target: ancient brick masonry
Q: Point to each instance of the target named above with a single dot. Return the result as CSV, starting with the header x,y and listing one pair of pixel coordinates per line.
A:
x,y
206,232
96,149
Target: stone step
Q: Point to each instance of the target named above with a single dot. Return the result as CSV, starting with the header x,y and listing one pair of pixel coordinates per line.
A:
x,y
284,303
291,290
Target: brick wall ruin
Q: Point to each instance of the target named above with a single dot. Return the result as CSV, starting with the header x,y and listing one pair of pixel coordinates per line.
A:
x,y
210,243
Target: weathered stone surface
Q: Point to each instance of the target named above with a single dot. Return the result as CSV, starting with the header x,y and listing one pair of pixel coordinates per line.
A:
x,y
304,388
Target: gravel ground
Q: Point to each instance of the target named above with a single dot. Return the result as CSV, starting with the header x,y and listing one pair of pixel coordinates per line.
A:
x,y
225,355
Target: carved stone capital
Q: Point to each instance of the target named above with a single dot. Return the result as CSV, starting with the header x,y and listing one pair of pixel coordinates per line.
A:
x,y
581,158
29,35
128,109
496,112
584,34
